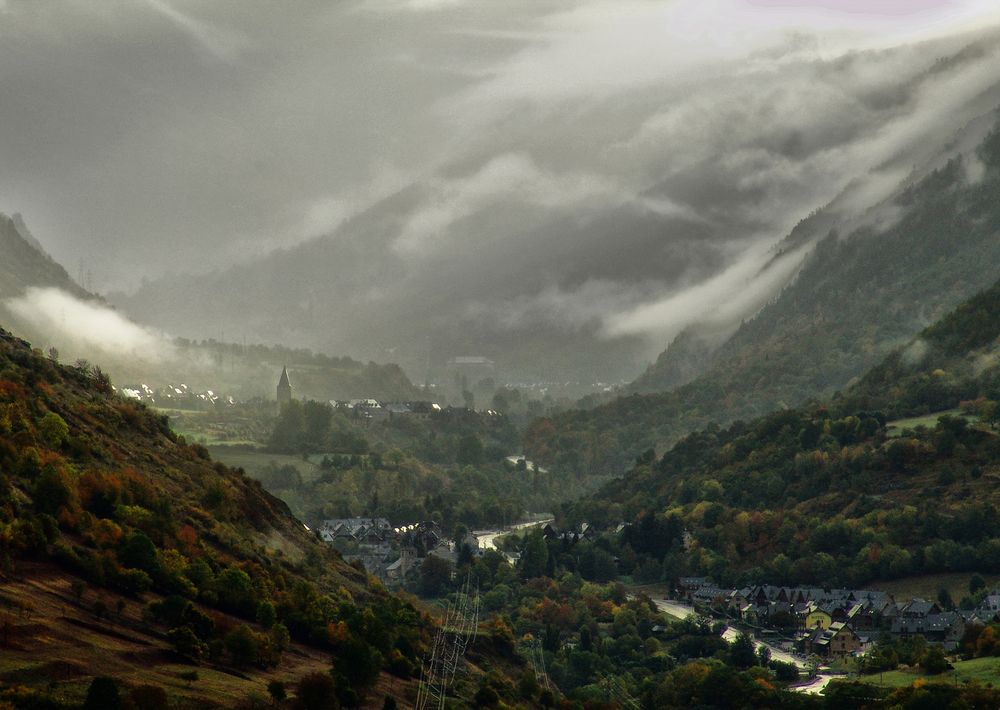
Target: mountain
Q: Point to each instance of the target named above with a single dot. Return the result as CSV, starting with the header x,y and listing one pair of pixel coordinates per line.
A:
x,y
126,552
40,302
858,295
576,256
355,295
832,494
25,263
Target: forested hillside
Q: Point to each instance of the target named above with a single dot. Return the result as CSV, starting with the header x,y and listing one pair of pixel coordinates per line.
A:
x,y
857,297
948,364
117,538
834,494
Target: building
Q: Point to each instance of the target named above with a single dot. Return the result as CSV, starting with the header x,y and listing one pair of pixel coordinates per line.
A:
x,y
835,642
284,389
816,617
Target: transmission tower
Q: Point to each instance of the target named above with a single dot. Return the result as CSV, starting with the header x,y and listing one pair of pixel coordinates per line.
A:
x,y
459,629
537,658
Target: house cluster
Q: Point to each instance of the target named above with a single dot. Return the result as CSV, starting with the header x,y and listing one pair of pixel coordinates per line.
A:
x,y
834,622
372,410
570,536
388,552
176,397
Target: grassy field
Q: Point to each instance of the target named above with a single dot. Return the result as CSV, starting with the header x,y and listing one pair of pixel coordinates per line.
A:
x,y
927,586
985,671
895,428
210,428
254,460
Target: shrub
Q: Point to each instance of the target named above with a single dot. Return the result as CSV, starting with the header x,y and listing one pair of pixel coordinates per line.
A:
x,y
187,643
150,697
102,695
316,691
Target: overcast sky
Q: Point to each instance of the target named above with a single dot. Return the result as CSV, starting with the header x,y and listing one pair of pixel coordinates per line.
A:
x,y
152,136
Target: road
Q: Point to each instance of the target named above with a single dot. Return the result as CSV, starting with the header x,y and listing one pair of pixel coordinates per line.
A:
x,y
777,654
814,687
676,609
487,538
680,610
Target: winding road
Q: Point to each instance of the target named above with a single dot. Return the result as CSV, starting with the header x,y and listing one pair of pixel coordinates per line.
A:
x,y
487,538
680,610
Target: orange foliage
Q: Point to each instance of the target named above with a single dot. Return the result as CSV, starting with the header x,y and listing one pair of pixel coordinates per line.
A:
x,y
337,632
45,456
105,533
12,390
95,483
559,615
986,644
762,683
187,536
874,553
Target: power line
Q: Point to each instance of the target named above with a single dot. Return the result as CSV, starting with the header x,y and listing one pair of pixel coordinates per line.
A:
x,y
459,629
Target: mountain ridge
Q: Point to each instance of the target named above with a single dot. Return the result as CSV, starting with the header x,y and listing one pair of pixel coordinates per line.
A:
x,y
854,299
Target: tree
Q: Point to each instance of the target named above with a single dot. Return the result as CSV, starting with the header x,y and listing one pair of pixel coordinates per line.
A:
x,y
486,697
764,656
139,552
266,615
605,569
934,661
470,450
976,583
535,556
243,645
235,591
316,691
102,695
187,643
944,599
276,689
51,491
53,429
358,663
742,653
435,576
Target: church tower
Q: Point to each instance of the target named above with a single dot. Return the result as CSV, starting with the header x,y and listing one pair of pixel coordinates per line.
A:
x,y
284,389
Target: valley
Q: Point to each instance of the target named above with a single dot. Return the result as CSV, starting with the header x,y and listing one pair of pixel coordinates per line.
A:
x,y
440,354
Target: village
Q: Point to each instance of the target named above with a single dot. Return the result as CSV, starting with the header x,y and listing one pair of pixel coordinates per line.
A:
x,y
392,553
829,624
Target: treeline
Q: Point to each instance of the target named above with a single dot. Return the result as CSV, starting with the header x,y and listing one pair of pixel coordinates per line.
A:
x,y
807,497
449,467
450,436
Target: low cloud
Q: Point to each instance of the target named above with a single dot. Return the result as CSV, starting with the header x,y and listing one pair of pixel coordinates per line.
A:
x,y
88,326
719,302
514,177
623,167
